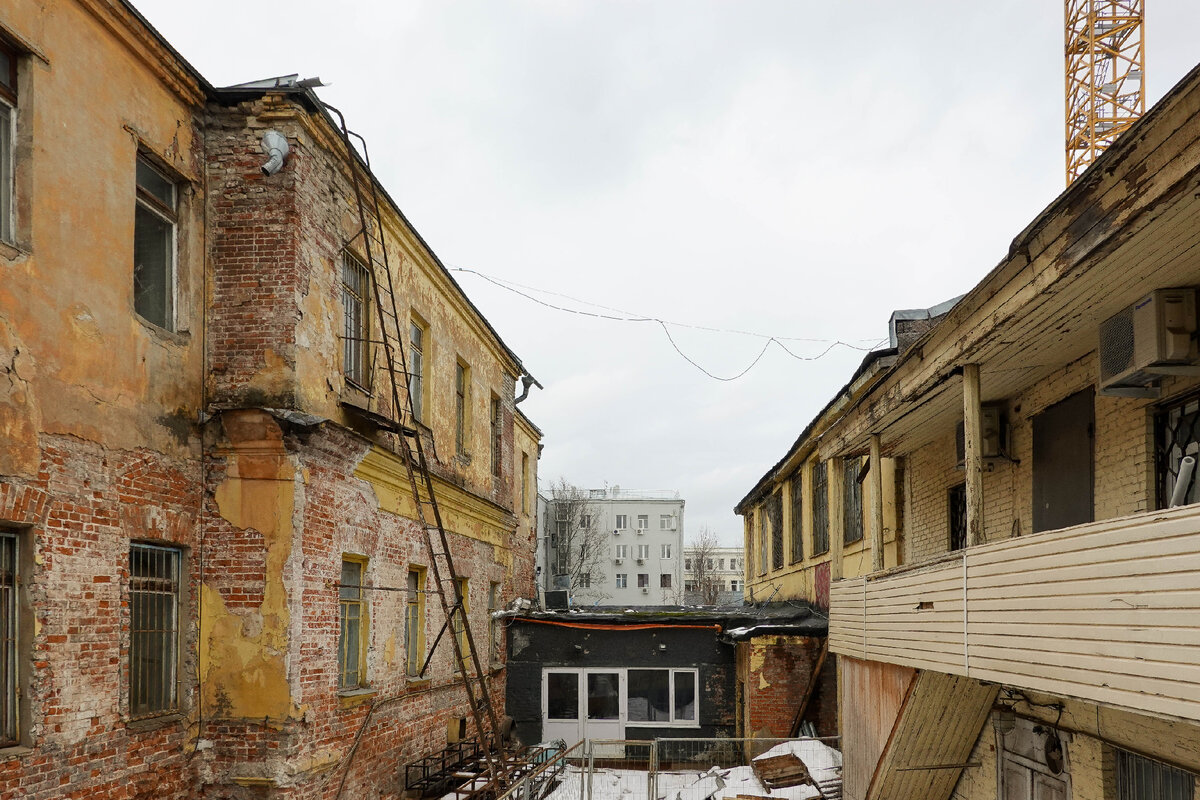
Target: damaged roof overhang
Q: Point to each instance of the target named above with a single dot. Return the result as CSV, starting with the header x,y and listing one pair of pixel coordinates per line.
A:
x,y
1128,225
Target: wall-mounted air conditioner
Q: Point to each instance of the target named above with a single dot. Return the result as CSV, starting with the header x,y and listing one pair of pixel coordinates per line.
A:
x,y
1147,340
645,590
641,561
618,560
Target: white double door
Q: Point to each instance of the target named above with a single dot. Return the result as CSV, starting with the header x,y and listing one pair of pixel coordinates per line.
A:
x,y
580,704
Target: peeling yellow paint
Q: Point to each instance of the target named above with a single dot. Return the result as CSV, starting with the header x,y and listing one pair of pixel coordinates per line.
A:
x,y
462,512
758,658
389,650
243,663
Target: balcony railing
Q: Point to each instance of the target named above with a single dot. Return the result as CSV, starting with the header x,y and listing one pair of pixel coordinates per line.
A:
x,y
1108,612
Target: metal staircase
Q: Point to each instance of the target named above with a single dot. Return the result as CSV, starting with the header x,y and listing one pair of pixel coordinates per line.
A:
x,y
412,451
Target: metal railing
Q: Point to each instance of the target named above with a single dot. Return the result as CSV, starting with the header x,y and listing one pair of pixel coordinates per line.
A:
x,y
680,769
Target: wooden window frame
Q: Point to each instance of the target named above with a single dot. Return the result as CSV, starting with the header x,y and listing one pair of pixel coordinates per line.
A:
x,y
356,322
353,608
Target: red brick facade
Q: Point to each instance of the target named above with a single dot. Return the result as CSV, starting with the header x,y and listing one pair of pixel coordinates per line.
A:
x,y
775,672
226,440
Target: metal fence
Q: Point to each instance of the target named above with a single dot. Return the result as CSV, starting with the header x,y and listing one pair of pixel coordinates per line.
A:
x,y
658,769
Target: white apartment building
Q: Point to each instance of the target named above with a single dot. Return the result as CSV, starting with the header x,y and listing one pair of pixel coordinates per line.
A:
x,y
637,538
726,565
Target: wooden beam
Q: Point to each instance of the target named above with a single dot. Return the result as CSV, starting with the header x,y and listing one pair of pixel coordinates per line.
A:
x,y
836,472
876,476
808,690
973,447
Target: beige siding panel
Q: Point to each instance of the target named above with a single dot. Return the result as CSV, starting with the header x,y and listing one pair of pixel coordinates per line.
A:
x,y
1109,608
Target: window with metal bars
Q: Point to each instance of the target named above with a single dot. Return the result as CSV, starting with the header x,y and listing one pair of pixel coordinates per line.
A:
x,y
494,627
956,502
356,283
820,508
458,619
352,662
1176,435
775,520
9,610
414,621
154,586
797,527
1140,778
852,501
764,547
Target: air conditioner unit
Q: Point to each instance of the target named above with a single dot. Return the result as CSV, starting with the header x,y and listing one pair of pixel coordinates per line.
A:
x,y
618,560
641,531
616,533
645,590
641,561
1147,340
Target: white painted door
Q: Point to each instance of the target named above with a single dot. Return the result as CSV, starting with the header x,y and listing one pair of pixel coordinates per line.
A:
x,y
604,718
562,705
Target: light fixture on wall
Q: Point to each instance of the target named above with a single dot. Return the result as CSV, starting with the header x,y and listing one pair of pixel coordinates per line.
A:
x,y
1006,719
662,648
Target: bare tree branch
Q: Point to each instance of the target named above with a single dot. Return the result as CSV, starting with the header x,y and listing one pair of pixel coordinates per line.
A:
x,y
700,570
578,547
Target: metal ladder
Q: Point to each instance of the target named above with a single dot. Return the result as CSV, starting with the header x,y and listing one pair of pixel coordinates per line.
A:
x,y
412,451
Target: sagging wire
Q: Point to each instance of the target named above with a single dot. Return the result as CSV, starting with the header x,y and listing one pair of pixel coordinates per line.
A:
x,y
626,316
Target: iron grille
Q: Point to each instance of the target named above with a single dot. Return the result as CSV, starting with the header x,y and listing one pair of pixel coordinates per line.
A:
x,y
356,334
153,629
775,519
820,512
797,492
8,638
1177,434
1140,778
852,501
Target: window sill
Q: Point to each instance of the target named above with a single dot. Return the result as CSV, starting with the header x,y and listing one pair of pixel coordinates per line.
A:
x,y
155,723
15,751
11,252
662,724
418,683
351,698
179,338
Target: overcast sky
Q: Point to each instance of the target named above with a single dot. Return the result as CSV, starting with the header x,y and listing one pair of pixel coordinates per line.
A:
x,y
793,169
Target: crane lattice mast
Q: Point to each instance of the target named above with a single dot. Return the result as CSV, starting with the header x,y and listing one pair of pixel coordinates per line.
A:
x,y
1105,76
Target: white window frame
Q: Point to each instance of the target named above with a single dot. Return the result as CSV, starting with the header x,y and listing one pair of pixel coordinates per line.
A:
x,y
665,550
643,551
674,674
643,522
622,522
673,723
622,551
664,522
622,580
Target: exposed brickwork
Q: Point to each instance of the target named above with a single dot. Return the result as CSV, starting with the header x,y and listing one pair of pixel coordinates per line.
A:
x,y
76,521
1124,463
775,672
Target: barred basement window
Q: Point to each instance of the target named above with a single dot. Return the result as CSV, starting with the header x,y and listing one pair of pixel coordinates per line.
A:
x,y
352,666
153,629
356,283
9,609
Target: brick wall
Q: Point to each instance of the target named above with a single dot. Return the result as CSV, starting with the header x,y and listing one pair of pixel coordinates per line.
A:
x,y
774,672
1124,463
76,520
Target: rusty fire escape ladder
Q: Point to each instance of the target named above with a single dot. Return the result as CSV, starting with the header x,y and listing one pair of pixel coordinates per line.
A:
x,y
437,544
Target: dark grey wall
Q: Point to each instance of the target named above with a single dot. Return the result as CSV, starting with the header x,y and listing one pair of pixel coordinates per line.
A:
x,y
533,646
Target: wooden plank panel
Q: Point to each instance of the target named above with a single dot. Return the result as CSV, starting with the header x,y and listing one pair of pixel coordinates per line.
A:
x,y
1149,654
1184,708
1060,668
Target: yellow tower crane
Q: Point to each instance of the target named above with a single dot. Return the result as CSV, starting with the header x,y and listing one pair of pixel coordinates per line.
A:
x,y
1105,76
